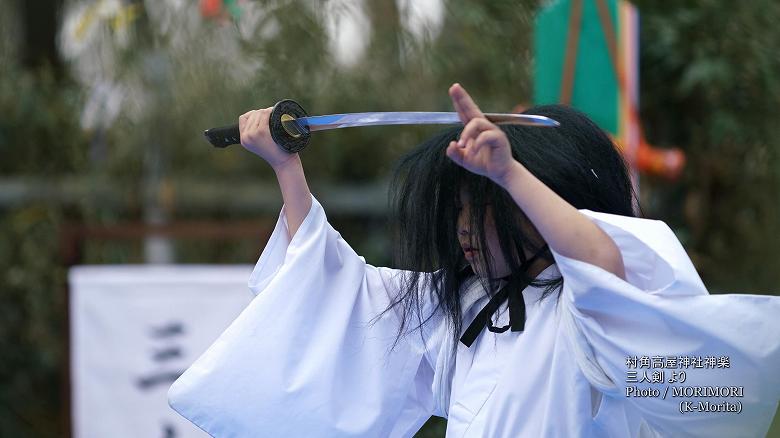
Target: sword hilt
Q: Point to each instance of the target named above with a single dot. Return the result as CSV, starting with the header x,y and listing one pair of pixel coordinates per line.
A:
x,y
286,133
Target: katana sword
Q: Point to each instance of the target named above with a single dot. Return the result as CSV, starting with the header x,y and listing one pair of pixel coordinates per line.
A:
x,y
291,127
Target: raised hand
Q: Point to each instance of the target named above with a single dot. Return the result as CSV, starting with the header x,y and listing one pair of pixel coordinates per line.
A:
x,y
256,137
483,148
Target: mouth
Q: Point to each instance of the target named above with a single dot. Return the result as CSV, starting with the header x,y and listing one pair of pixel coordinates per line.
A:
x,y
469,252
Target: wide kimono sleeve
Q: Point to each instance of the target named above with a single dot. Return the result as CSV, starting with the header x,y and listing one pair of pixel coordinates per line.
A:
x,y
305,357
682,359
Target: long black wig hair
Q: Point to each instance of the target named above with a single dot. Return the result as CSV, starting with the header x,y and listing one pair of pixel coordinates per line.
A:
x,y
577,160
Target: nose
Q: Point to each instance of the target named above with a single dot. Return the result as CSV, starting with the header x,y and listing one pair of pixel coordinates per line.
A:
x,y
463,225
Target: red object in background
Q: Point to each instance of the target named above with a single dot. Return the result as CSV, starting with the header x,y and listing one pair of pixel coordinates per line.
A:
x,y
667,163
582,42
211,8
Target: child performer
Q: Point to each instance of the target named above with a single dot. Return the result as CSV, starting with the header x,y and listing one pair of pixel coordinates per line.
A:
x,y
613,333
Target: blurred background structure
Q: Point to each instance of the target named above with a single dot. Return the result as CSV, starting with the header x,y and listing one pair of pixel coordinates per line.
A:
x,y
103,104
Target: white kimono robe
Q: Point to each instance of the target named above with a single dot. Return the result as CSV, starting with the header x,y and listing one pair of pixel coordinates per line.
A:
x,y
302,359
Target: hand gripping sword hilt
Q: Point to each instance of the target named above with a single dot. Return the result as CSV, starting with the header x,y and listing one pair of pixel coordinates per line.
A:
x,y
289,135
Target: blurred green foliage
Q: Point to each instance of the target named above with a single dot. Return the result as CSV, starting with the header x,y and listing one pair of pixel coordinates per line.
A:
x,y
709,85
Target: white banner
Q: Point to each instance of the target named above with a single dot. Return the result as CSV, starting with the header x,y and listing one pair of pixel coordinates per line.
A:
x,y
134,330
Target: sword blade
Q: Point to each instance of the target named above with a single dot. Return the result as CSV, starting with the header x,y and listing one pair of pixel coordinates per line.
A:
x,y
335,121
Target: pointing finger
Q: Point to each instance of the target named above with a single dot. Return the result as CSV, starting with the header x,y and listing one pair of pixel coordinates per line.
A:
x,y
463,104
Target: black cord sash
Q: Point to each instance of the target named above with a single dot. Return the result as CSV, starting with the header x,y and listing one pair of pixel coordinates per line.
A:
x,y
512,291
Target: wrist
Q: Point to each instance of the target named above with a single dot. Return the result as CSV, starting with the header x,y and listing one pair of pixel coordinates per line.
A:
x,y
515,171
292,162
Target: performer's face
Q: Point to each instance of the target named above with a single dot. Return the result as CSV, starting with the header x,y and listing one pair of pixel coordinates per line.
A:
x,y
470,243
